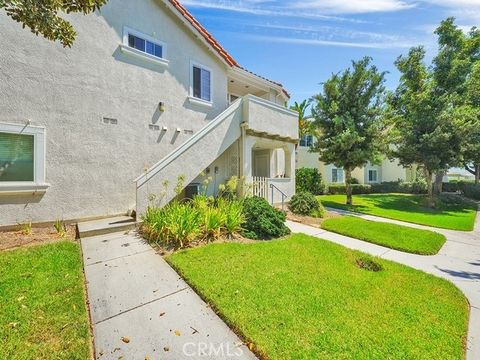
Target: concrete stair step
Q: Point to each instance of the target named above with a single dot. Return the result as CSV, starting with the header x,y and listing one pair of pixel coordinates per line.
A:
x,y
106,226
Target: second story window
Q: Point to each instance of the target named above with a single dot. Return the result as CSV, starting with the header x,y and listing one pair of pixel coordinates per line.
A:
x,y
145,46
201,83
306,141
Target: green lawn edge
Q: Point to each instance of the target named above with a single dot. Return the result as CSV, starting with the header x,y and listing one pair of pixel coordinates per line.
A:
x,y
392,236
43,307
227,278
466,223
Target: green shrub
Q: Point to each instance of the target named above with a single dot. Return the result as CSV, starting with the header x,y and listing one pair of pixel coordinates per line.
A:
x,y
234,215
304,203
416,187
309,180
203,218
263,221
356,189
468,189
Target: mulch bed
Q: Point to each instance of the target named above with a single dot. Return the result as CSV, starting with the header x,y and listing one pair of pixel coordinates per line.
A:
x,y
10,240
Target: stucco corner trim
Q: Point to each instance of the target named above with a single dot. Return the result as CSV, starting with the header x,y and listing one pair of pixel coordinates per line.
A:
x,y
139,54
196,101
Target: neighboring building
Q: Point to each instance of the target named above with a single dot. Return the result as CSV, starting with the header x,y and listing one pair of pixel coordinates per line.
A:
x,y
370,174
145,95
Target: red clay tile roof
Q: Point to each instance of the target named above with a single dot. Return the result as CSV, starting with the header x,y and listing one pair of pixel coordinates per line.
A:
x,y
213,42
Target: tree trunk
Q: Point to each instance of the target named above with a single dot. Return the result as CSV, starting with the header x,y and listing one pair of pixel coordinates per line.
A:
x,y
438,187
348,186
477,173
429,176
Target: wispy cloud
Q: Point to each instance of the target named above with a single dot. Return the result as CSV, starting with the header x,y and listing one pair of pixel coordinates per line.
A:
x,y
325,42
353,6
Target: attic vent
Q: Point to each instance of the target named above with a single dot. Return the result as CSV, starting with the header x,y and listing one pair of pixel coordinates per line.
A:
x,y
111,121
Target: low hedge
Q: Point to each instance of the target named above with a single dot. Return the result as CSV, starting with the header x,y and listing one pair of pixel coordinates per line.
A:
x,y
357,189
401,187
468,189
416,187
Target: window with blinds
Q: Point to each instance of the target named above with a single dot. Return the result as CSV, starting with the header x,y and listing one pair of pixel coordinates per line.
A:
x,y
16,157
202,83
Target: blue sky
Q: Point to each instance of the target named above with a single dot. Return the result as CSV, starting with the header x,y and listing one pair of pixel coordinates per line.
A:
x,y
301,43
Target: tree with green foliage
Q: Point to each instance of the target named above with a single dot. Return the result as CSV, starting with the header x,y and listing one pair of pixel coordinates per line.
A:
x,y
42,16
303,119
427,108
348,118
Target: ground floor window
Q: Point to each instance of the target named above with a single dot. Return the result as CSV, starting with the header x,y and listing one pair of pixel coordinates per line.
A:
x,y
337,175
372,176
22,154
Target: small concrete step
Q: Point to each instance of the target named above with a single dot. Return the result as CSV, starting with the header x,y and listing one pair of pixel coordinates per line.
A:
x,y
105,226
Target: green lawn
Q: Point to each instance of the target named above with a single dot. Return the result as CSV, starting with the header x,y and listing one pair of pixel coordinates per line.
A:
x,y
403,238
407,208
305,298
42,304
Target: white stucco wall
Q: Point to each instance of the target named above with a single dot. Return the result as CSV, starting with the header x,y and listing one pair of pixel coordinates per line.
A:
x,y
91,165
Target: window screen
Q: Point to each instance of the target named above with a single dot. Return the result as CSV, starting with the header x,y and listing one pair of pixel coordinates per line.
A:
x,y
145,46
201,84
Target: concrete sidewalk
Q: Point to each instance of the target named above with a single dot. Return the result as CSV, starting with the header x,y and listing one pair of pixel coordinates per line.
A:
x,y
458,261
141,309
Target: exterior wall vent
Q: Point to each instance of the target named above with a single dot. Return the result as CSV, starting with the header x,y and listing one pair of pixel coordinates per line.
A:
x,y
108,120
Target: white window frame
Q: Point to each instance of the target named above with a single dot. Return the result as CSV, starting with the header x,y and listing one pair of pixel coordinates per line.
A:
x,y
138,53
39,151
307,146
368,176
194,99
343,175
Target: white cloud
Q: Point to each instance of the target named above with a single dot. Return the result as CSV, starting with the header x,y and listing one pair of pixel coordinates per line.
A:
x,y
354,6
323,42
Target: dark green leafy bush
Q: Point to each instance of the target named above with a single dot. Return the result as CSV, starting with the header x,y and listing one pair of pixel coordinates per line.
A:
x,y
306,203
468,189
263,221
309,180
416,187
356,189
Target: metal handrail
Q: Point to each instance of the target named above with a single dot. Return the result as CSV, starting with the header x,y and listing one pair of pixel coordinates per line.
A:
x,y
284,196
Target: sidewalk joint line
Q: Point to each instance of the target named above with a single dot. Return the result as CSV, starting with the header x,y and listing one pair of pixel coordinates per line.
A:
x,y
139,306
119,257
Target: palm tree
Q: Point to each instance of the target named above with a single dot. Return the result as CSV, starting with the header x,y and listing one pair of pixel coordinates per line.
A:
x,y
303,119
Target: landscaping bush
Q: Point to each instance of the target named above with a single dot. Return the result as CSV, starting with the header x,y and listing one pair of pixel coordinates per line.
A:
x,y
204,218
263,221
468,189
309,180
340,189
416,187
306,203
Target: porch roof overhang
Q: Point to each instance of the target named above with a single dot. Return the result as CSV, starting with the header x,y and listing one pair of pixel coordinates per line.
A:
x,y
265,135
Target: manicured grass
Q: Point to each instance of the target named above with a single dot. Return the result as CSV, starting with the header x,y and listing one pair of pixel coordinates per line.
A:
x,y
409,208
42,304
305,298
393,236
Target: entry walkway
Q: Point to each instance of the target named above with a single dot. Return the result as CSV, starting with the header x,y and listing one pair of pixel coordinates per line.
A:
x,y
141,308
458,261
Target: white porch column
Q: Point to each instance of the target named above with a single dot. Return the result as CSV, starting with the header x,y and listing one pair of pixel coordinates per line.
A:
x,y
290,162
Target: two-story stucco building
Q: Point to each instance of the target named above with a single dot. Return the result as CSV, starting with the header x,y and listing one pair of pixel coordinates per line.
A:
x,y
387,171
144,96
